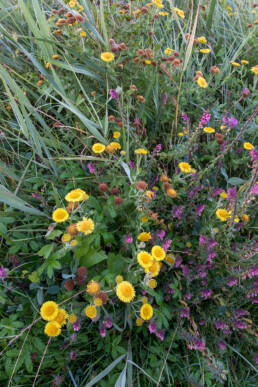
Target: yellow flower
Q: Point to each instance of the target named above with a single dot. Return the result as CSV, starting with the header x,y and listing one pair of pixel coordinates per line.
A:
x,y
86,197
86,226
144,236
72,4
148,62
141,151
245,218
75,196
61,317
234,63
107,56
144,300
144,219
208,129
93,287
119,279
193,170
154,269
222,214
181,134
202,39
170,259
168,51
171,193
223,127
215,230
158,3
163,13
122,153
47,65
188,244
205,50
91,311
98,148
72,318
180,13
83,34
146,312
248,146
74,243
66,238
125,291
49,310
158,253
244,61
139,322
155,188
60,215
52,329
98,301
236,220
202,83
144,259
255,70
184,167
152,283
115,145
150,194
224,195
116,134
93,93
55,57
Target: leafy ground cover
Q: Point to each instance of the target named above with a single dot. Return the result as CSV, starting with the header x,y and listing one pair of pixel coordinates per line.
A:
x,y
128,182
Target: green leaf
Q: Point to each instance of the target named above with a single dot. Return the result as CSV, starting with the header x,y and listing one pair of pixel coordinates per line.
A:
x,y
210,17
28,363
106,371
92,258
46,250
33,277
236,181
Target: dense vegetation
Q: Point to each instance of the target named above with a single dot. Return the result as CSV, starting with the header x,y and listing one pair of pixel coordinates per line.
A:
x,y
128,182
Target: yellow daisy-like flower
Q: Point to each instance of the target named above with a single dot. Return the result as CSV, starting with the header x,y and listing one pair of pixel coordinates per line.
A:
x,y
72,3
52,329
93,287
152,283
139,322
122,153
184,167
61,317
107,56
245,218
86,226
147,61
60,215
171,193
248,146
144,219
91,311
234,63
202,83
158,253
98,301
144,259
179,13
158,3
119,278
98,148
202,39
154,269
72,318
49,310
83,34
222,214
205,50
255,70
116,134
144,300
244,61
236,219
224,195
146,312
181,134
75,196
168,51
125,291
66,238
144,237
115,145
74,243
163,13
193,170
170,259
188,244
208,129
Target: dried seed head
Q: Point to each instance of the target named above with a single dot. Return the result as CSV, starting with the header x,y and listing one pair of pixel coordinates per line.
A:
x,y
140,52
82,271
133,87
69,285
79,18
71,206
72,229
141,185
164,178
166,186
112,42
214,70
140,98
164,59
103,187
136,60
118,200
111,118
122,46
176,54
103,296
176,62
80,280
171,58
115,191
